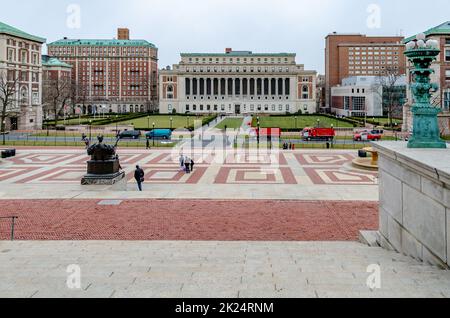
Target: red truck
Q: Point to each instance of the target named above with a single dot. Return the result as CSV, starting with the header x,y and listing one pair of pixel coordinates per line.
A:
x,y
368,135
327,134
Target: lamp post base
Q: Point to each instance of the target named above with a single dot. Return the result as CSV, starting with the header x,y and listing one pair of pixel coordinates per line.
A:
x,y
426,132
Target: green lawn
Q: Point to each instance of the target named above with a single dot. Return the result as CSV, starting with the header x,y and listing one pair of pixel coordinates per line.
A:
x,y
233,123
382,121
144,123
289,122
123,144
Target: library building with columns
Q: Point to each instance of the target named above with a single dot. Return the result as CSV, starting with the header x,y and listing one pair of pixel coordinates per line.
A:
x,y
237,82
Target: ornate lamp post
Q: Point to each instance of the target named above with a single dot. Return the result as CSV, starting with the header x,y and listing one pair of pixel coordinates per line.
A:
x,y
425,123
4,131
90,130
154,134
171,123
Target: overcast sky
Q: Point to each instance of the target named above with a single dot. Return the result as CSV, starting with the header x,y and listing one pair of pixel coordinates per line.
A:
x,y
174,26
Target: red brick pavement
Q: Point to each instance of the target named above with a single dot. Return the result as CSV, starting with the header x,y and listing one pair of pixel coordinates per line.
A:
x,y
189,220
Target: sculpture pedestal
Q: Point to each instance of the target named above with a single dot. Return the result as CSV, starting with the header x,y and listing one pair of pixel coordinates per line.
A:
x,y
415,201
103,173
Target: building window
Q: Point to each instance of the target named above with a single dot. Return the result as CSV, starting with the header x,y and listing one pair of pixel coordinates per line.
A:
x,y
10,55
447,75
305,92
170,92
446,101
346,103
359,103
447,55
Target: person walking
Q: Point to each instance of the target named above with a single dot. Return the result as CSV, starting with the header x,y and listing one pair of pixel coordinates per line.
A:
x,y
181,162
148,144
139,176
187,164
192,165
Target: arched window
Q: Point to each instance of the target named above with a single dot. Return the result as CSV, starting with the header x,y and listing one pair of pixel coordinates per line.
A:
x,y
305,92
170,92
24,94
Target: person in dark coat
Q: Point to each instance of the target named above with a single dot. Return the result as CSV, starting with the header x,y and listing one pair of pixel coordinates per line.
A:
x,y
139,177
187,163
192,165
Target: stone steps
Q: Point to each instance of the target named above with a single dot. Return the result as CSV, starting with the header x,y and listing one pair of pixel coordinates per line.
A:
x,y
213,269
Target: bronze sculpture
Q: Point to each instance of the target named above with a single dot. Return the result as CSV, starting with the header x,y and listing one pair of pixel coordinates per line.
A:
x,y
104,166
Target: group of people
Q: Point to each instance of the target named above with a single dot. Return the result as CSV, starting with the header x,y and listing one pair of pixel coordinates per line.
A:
x,y
288,146
186,164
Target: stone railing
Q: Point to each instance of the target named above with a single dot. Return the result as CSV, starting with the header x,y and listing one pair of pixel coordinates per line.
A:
x,y
415,201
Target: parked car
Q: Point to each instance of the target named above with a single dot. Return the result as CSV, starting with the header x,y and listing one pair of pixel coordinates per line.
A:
x,y
368,135
165,134
130,134
327,134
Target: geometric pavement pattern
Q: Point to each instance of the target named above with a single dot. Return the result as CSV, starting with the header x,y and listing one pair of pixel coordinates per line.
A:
x,y
53,166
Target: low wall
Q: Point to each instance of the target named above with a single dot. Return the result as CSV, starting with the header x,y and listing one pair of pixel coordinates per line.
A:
x,y
415,201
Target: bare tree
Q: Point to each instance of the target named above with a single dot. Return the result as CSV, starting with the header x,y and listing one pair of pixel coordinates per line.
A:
x,y
8,91
57,93
387,86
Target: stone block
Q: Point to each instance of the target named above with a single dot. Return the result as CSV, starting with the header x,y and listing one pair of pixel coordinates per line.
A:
x,y
395,234
448,236
433,189
391,196
430,258
384,217
411,246
425,219
401,172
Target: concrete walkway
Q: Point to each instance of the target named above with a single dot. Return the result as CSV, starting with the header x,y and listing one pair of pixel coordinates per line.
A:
x,y
212,269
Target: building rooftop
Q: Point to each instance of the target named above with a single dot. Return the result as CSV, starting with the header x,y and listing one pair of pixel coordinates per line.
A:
x,y
231,53
370,80
92,42
53,61
7,29
441,29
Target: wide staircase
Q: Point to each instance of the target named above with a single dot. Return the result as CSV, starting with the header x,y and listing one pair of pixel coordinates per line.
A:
x,y
213,269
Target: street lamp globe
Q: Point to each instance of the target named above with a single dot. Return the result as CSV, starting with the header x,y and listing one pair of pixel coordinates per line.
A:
x,y
421,36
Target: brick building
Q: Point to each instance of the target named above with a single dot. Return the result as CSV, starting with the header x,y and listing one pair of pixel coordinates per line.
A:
x,y
57,82
441,76
20,62
238,82
348,55
119,75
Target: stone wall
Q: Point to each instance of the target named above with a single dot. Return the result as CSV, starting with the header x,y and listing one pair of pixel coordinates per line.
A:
x,y
415,201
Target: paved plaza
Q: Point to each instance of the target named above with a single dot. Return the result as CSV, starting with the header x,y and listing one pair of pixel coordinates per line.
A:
x,y
294,175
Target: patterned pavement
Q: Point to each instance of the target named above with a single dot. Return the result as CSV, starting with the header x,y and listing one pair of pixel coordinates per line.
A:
x,y
59,166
